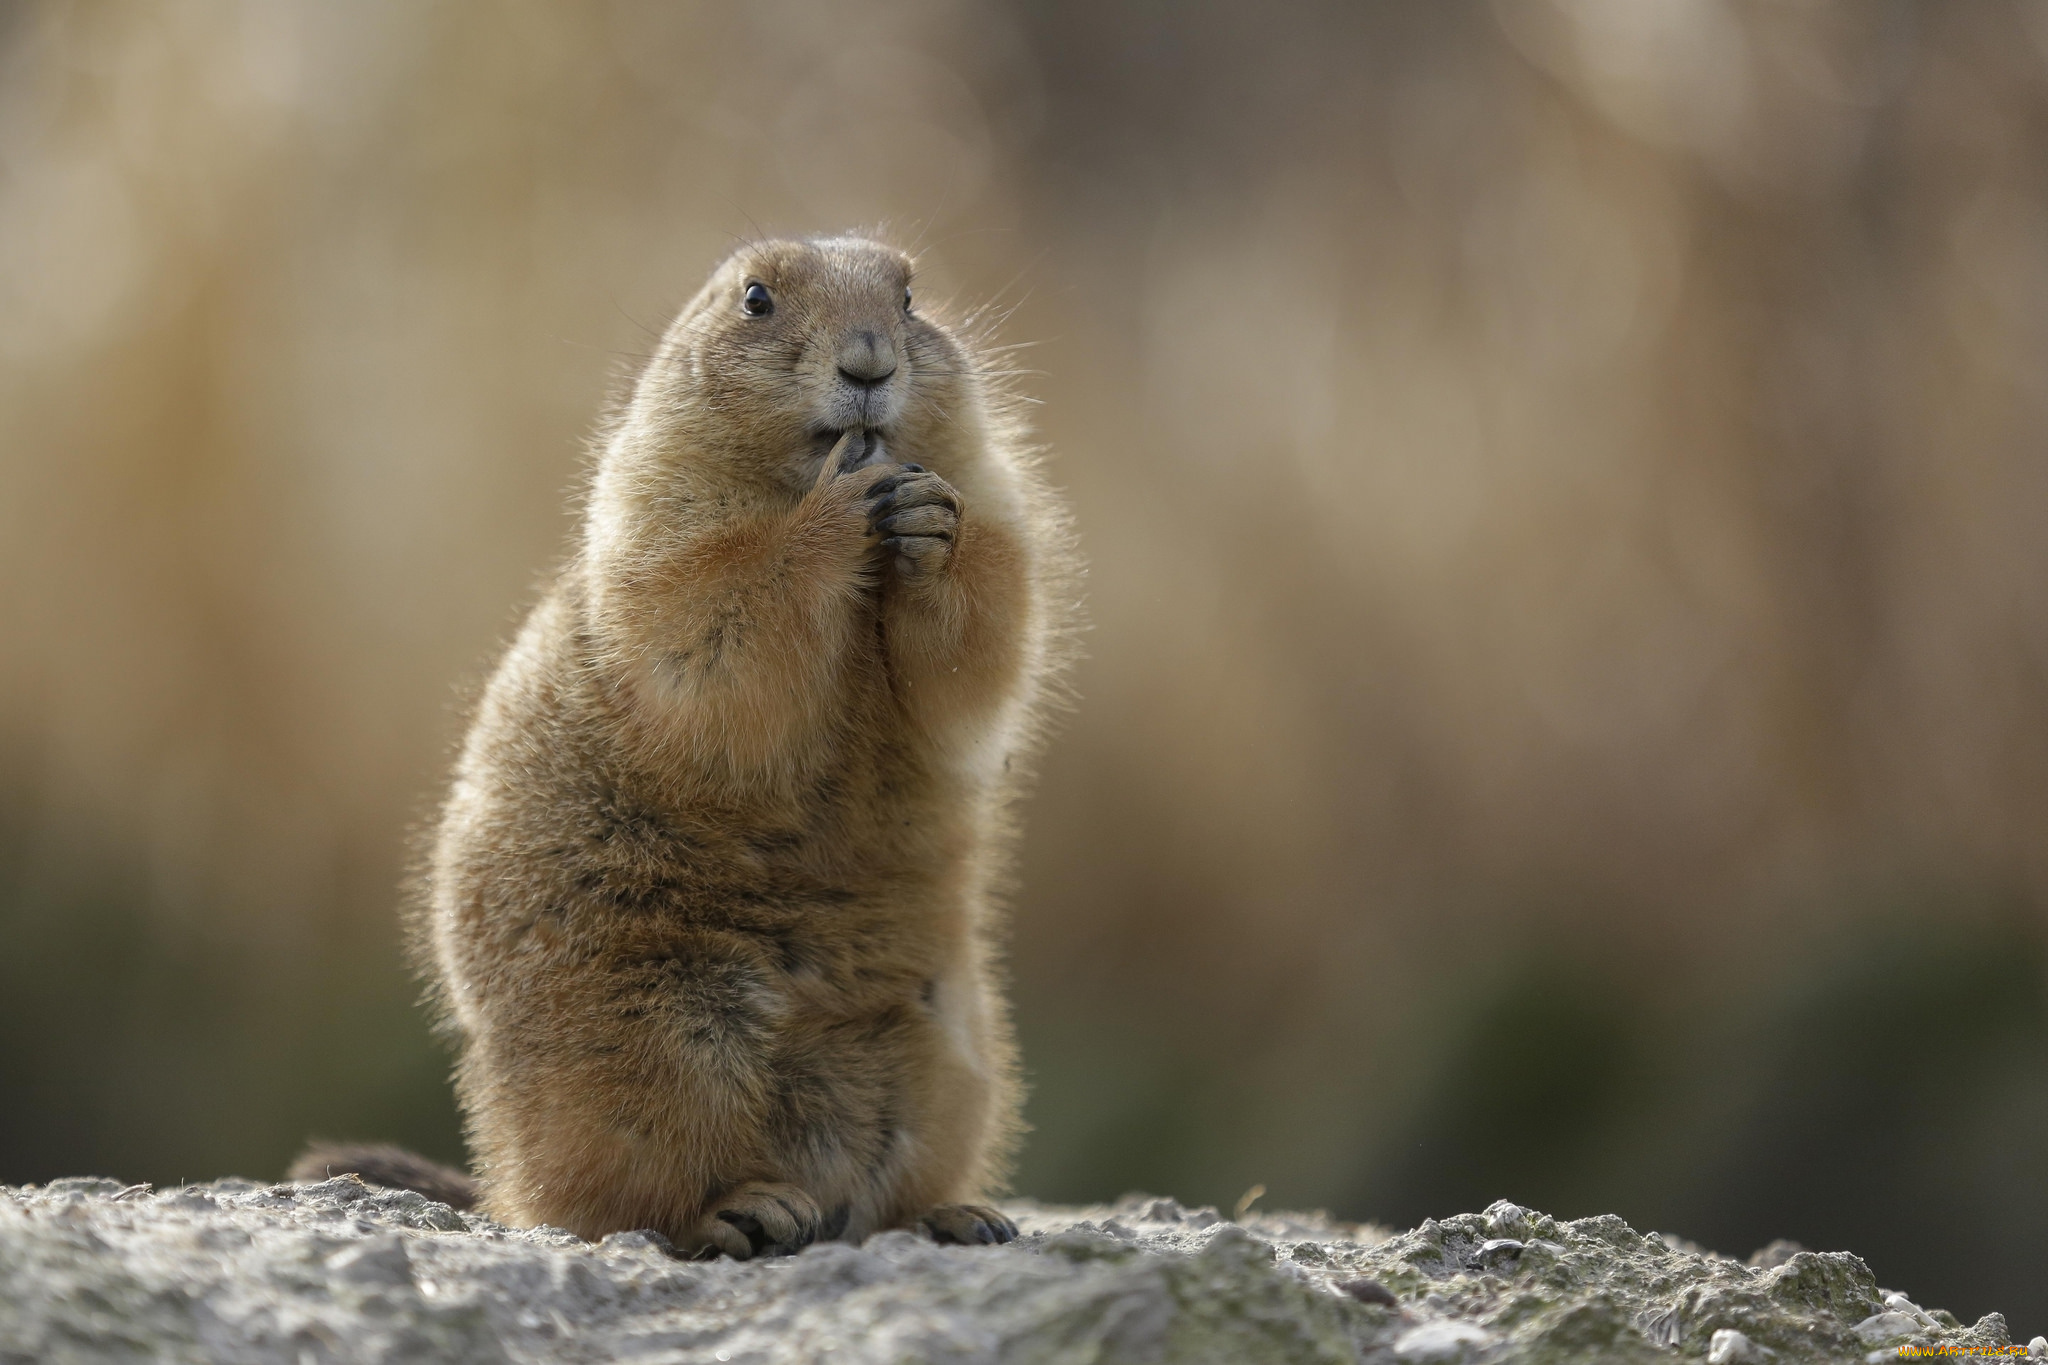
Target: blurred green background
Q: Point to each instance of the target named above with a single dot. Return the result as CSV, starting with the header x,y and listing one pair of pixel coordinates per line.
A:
x,y
1567,487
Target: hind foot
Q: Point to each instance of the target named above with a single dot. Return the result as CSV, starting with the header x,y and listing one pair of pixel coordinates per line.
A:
x,y
761,1219
968,1225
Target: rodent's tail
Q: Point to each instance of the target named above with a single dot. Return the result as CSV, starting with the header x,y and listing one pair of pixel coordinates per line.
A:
x,y
382,1164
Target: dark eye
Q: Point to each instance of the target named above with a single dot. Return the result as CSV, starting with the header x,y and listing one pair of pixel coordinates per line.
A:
x,y
906,298
755,303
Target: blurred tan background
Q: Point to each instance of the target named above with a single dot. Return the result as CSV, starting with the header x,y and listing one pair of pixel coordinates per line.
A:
x,y
1567,488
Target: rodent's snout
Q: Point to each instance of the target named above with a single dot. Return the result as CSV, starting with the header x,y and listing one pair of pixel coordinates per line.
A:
x,y
860,376
866,359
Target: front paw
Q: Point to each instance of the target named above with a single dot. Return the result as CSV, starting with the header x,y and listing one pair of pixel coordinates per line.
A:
x,y
915,516
761,1218
968,1225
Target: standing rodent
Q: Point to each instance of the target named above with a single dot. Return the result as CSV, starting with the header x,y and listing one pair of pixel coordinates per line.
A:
x,y
712,903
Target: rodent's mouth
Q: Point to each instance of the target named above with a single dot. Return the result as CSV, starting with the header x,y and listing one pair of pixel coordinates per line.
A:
x,y
872,450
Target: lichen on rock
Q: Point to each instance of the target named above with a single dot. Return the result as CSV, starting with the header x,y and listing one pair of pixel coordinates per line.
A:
x,y
235,1271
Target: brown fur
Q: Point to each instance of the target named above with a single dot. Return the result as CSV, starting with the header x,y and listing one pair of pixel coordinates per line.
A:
x,y
712,904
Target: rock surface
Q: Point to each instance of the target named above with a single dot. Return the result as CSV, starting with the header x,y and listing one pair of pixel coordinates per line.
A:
x,y
237,1271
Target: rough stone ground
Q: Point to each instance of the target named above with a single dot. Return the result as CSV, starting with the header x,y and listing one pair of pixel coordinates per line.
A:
x,y
237,1271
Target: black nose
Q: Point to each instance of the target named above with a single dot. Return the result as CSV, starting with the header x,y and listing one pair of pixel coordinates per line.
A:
x,y
866,359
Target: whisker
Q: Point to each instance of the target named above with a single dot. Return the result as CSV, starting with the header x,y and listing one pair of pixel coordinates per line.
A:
x,y
620,309
605,350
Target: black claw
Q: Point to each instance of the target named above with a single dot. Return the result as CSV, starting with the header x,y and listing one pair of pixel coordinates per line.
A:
x,y
914,468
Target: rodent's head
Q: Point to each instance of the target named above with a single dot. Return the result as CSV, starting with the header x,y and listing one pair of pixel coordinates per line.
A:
x,y
791,344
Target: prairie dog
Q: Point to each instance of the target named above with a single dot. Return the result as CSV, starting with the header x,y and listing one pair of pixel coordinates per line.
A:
x,y
711,906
